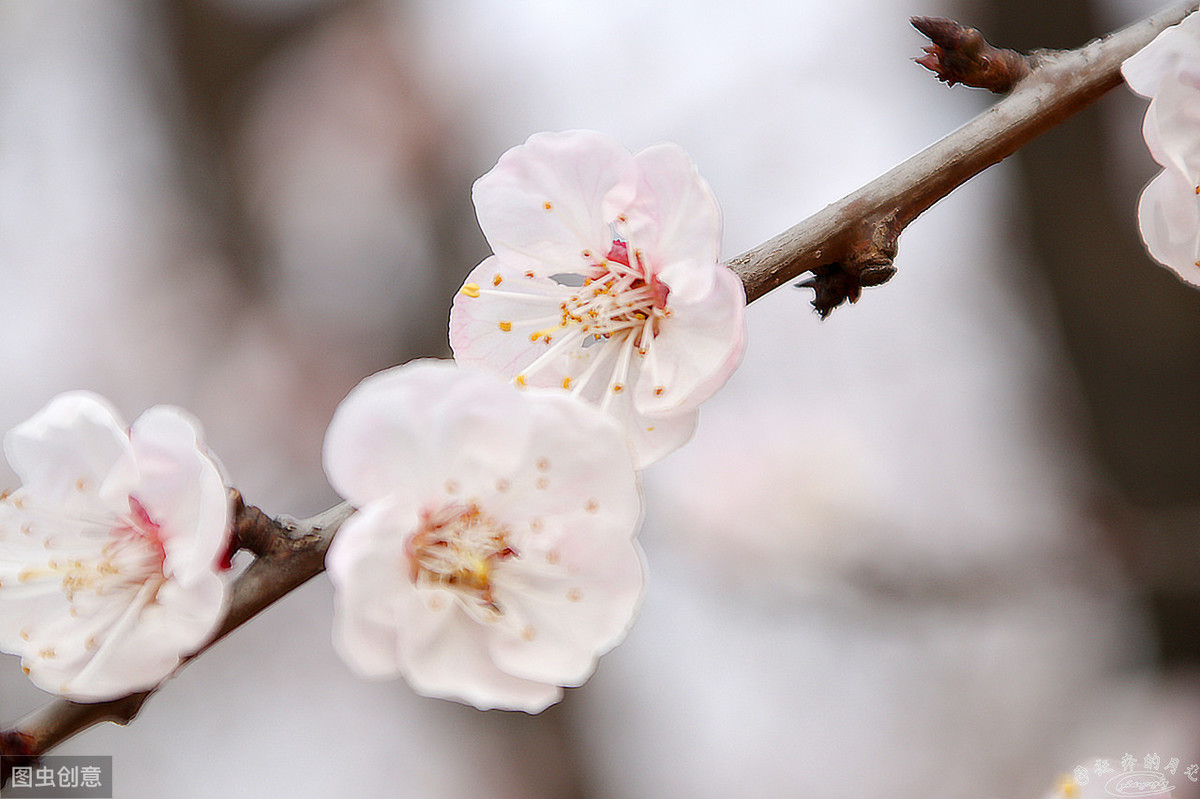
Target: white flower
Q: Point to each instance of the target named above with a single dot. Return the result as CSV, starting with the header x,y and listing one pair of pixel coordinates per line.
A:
x,y
605,281
109,550
1168,71
492,558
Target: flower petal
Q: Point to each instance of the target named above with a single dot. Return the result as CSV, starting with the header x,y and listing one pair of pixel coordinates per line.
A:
x,y
696,350
76,443
368,568
1172,128
675,220
413,431
574,463
182,491
444,653
491,329
1169,218
548,200
568,616
1174,51
149,640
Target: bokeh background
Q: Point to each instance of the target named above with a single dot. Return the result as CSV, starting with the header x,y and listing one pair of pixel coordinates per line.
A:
x,y
944,544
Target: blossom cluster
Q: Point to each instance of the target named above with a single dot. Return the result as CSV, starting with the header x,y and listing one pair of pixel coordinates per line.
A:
x,y
1168,72
493,554
494,557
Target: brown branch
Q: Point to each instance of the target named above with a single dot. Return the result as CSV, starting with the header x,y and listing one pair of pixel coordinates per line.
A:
x,y
290,552
846,245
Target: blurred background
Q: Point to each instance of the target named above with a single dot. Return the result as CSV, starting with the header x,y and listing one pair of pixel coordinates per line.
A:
x,y
942,544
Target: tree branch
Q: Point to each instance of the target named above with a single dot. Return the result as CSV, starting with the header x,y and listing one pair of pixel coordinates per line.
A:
x,y
851,243
848,245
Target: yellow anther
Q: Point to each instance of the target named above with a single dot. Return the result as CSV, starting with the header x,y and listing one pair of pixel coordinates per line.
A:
x,y
618,388
506,326
496,279
519,380
471,290
566,382
548,206
658,390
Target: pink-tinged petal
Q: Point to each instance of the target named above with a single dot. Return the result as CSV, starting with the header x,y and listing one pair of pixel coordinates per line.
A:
x,y
368,568
567,615
424,430
675,220
575,463
1174,115
1169,218
182,492
496,312
550,199
696,350
1150,134
76,443
444,653
653,439
140,643
1175,51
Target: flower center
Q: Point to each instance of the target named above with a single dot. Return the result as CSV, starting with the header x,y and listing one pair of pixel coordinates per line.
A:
x,y
620,305
133,557
459,547
617,297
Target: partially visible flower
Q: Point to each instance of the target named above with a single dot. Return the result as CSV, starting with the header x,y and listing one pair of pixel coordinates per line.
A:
x,y
492,558
605,282
111,547
1168,71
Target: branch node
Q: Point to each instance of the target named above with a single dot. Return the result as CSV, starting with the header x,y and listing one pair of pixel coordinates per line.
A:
x,y
253,530
959,54
867,262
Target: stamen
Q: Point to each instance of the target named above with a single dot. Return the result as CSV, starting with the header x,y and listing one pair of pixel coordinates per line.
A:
x,y
616,384
458,547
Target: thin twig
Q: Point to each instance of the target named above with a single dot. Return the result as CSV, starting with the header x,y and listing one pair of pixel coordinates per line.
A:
x,y
852,241
840,245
